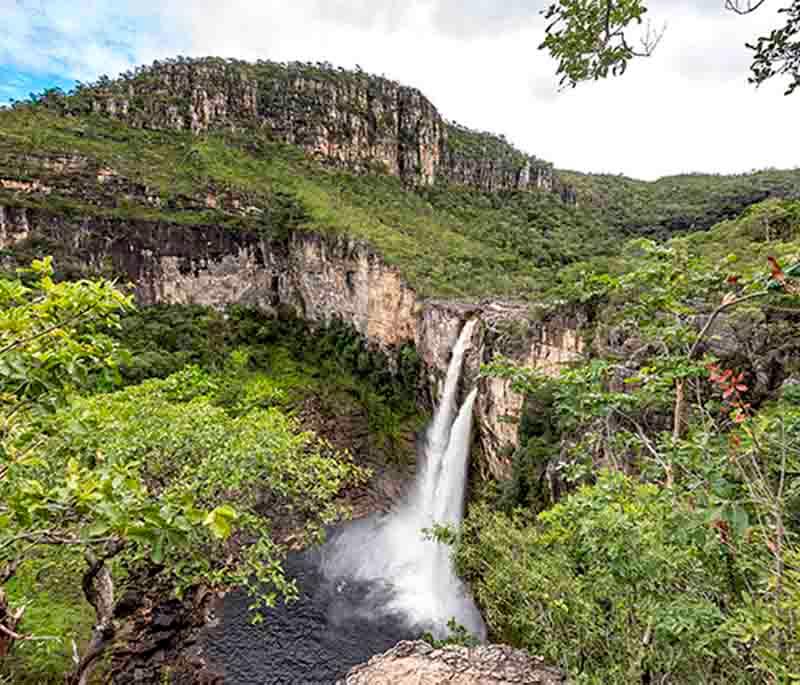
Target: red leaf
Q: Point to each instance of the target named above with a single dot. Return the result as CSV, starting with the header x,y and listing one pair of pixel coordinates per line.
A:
x,y
741,387
727,393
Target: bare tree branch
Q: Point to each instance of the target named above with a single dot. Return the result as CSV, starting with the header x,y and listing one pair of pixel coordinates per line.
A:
x,y
678,419
741,7
98,588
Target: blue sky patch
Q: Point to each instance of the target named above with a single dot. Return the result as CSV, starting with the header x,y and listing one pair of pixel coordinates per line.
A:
x,y
17,85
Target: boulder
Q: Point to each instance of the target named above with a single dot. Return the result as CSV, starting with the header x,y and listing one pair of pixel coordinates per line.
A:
x,y
418,663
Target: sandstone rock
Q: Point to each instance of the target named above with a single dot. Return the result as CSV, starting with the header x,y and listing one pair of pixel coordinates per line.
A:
x,y
350,119
321,278
418,663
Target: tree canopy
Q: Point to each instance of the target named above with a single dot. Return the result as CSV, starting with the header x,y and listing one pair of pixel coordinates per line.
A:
x,y
592,39
158,475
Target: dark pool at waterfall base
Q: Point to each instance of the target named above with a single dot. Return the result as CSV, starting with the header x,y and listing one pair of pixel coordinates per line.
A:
x,y
406,583
314,640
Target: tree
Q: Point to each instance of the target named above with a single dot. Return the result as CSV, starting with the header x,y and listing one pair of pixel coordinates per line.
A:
x,y
694,438
592,39
152,479
49,346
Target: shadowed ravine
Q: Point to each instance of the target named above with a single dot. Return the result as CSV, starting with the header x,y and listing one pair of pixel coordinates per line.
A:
x,y
376,581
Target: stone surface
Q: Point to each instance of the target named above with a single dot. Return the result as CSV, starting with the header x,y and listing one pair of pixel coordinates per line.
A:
x,y
351,119
418,663
320,278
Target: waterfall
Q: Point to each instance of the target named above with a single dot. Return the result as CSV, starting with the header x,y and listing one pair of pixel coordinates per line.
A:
x,y
416,574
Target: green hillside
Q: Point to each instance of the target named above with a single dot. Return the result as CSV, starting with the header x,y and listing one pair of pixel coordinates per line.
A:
x,y
677,204
449,241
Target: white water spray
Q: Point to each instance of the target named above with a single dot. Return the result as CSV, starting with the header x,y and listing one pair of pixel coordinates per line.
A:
x,y
393,549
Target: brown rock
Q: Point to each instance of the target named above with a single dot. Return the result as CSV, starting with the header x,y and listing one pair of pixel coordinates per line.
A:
x,y
349,119
418,663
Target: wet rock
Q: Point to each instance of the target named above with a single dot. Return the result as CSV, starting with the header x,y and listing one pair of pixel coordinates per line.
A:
x,y
129,602
161,634
418,663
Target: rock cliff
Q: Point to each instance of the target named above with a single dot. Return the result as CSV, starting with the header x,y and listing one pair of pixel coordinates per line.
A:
x,y
417,663
320,278
352,119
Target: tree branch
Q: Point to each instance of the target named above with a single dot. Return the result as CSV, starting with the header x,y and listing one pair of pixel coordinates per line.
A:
x,y
743,8
46,537
50,329
728,302
98,588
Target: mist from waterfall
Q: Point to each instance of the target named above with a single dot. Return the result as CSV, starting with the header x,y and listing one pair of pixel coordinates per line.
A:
x,y
413,575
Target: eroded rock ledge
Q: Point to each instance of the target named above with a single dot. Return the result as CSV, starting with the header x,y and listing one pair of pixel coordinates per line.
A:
x,y
347,118
320,278
417,663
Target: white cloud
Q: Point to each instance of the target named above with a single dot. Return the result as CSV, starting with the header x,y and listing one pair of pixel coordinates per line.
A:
x,y
688,108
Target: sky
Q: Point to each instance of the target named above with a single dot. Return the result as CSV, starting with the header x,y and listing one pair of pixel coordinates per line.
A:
x,y
688,108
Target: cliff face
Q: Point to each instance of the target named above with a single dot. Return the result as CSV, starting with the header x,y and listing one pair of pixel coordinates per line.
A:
x,y
321,278
352,119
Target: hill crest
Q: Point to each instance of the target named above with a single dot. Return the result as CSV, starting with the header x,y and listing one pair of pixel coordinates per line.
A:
x,y
347,118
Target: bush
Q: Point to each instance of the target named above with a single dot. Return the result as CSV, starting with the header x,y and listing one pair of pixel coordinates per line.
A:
x,y
617,583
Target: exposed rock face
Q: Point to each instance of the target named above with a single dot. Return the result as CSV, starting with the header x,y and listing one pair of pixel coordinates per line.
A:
x,y
417,663
353,119
321,278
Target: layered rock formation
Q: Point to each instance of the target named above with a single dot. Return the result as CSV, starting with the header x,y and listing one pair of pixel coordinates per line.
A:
x,y
417,663
353,119
320,278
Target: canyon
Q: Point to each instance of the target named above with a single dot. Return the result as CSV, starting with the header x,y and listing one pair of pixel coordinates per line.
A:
x,y
320,279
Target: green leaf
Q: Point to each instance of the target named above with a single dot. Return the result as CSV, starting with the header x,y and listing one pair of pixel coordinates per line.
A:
x,y
219,521
157,551
97,529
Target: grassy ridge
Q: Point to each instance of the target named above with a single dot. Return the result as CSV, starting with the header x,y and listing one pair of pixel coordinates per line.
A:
x,y
683,203
447,241
440,250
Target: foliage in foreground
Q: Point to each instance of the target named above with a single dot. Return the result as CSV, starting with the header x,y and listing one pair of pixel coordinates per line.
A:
x,y
675,555
154,475
594,39
628,579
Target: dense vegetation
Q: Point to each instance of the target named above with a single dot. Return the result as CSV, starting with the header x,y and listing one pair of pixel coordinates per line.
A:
x,y
677,204
161,448
651,531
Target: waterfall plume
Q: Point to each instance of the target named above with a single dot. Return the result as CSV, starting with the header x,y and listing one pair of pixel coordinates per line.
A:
x,y
416,574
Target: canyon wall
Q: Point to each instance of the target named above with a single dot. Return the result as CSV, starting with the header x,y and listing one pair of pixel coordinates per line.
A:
x,y
348,118
321,278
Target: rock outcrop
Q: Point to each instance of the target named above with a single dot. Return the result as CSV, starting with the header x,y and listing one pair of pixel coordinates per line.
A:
x,y
348,118
417,663
321,278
